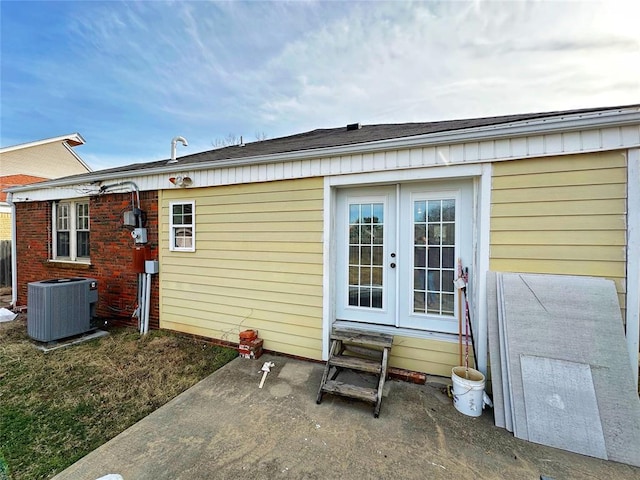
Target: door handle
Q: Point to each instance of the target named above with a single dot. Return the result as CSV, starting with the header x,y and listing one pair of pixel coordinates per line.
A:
x,y
392,265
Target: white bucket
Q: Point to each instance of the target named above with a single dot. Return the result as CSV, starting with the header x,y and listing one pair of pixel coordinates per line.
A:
x,y
468,390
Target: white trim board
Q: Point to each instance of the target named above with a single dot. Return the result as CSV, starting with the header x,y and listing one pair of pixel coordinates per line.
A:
x,y
633,258
76,138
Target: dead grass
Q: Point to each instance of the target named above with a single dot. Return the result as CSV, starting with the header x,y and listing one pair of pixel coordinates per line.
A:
x,y
57,407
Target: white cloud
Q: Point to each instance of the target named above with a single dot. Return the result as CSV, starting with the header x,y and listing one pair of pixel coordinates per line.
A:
x,y
425,61
153,70
372,61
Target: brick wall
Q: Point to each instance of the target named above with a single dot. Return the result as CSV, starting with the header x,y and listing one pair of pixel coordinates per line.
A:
x,y
111,253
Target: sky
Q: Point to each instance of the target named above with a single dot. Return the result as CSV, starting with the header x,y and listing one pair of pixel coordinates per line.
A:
x,y
130,76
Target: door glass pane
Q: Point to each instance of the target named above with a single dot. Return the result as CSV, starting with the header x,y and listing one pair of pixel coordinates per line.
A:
x,y
376,297
434,234
354,213
434,257
447,257
448,233
447,303
418,302
366,229
420,211
448,210
420,253
365,297
365,276
378,213
354,255
433,290
366,212
377,256
435,207
365,256
378,233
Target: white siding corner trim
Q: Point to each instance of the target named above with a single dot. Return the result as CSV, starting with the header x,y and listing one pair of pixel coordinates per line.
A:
x,y
328,252
633,258
482,250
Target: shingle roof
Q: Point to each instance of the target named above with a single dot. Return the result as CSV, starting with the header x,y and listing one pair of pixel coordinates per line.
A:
x,y
336,137
8,181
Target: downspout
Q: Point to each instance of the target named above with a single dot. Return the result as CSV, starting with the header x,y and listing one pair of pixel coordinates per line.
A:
x,y
14,252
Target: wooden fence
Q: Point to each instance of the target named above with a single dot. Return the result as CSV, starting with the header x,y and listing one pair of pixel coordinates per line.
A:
x,y
5,263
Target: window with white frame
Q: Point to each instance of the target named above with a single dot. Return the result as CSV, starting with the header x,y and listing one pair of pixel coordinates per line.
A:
x,y
71,234
182,226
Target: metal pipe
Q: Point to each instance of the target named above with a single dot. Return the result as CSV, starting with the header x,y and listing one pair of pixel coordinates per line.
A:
x,y
14,252
139,308
147,302
173,147
104,188
141,303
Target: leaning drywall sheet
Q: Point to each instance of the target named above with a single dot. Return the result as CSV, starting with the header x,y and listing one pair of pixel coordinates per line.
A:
x,y
518,311
494,351
504,357
561,405
576,319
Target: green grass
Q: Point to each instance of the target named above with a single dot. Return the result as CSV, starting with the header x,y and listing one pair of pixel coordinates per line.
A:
x,y
57,407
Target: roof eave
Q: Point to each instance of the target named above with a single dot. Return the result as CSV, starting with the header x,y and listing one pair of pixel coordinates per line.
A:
x,y
566,123
73,140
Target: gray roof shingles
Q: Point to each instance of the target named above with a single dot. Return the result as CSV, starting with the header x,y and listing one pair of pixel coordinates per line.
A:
x,y
336,137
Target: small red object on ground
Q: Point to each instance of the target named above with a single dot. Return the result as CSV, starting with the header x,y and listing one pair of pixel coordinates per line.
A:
x,y
248,335
250,349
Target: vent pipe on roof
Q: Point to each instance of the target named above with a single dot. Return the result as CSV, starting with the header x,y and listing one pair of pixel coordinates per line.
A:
x,y
173,147
353,126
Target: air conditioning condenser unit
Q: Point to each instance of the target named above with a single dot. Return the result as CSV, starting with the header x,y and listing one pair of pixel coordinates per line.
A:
x,y
61,307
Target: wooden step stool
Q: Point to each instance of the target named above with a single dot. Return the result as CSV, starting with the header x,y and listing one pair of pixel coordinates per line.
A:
x,y
358,351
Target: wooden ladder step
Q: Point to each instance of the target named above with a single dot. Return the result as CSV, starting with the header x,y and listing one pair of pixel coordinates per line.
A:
x,y
356,363
365,352
361,393
362,338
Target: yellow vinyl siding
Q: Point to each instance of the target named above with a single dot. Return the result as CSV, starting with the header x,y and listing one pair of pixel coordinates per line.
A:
x,y
257,264
5,226
422,355
50,160
561,215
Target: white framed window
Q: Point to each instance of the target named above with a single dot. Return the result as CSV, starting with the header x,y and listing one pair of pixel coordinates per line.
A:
x,y
182,226
71,231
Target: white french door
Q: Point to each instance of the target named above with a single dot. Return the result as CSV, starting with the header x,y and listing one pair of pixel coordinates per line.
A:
x,y
366,256
397,250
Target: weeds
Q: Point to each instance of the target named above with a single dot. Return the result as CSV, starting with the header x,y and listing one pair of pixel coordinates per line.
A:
x,y
57,407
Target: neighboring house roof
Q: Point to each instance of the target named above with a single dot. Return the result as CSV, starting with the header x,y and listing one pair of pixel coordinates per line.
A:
x,y
73,139
8,181
48,158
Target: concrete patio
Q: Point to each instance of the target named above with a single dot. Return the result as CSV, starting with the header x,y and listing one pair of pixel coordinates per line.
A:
x,y
226,427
